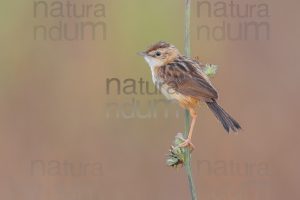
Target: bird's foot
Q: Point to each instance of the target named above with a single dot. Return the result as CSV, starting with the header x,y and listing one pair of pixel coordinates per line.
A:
x,y
187,143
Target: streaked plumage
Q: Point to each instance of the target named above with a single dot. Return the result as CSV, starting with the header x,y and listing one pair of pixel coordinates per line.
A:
x,y
181,78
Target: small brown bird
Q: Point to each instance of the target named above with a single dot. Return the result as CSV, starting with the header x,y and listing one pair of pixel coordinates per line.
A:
x,y
181,78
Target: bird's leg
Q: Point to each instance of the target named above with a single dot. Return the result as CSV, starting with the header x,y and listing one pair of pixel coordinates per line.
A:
x,y
188,141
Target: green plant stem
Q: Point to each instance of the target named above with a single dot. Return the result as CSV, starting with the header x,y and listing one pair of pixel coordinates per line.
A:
x,y
187,153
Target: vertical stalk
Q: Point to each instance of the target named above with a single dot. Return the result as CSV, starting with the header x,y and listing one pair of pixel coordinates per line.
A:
x,y
187,50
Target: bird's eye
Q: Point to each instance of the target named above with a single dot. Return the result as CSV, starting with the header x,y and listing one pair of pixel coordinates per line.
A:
x,y
158,53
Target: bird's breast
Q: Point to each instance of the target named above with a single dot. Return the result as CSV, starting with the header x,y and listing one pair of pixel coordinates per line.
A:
x,y
171,94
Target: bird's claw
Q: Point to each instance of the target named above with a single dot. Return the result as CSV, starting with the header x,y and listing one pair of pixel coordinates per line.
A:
x,y
187,143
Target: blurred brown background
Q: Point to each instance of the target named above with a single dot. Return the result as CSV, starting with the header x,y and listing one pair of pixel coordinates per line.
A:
x,y
63,136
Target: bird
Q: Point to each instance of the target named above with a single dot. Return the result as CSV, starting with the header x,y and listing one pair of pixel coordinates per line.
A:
x,y
182,78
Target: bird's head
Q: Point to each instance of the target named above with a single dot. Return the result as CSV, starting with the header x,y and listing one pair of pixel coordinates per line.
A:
x,y
160,54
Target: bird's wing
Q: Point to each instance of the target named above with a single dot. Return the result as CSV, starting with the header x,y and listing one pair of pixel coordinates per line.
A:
x,y
185,76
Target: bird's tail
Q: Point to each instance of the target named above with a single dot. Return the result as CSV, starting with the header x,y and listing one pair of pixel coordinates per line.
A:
x,y
227,121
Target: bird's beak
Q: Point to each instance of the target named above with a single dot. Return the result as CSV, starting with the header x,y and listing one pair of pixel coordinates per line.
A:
x,y
142,53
